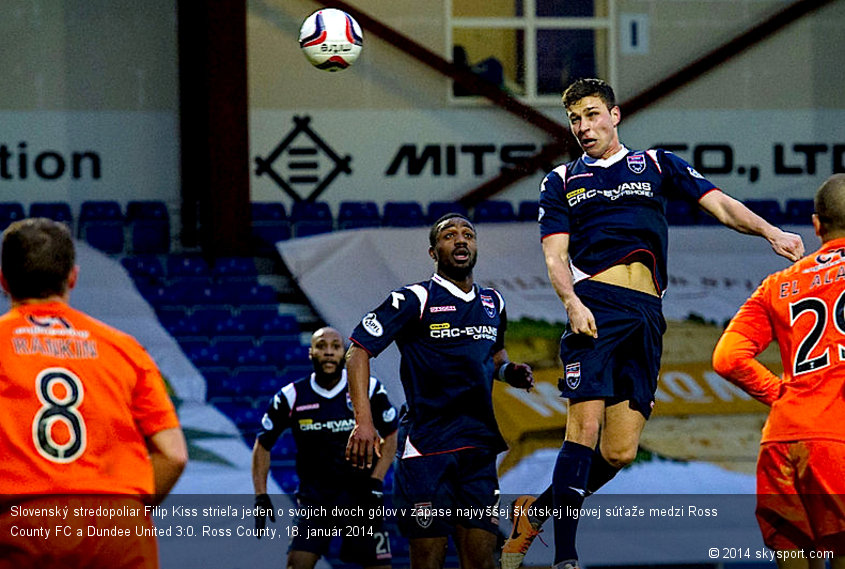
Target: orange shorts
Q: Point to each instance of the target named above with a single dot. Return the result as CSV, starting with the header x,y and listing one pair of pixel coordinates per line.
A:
x,y
801,495
94,531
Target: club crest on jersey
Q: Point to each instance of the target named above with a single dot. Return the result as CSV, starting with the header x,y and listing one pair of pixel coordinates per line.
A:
x,y
489,305
423,513
636,163
572,375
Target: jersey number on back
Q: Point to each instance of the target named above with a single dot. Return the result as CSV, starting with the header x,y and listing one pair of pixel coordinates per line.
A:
x,y
803,363
58,429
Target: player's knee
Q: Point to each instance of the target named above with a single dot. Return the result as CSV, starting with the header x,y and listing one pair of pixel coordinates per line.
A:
x,y
620,457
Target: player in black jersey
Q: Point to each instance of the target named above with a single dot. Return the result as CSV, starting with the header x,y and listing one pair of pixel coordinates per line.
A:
x,y
604,235
318,412
450,333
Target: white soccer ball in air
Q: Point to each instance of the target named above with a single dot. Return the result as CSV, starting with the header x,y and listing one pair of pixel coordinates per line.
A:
x,y
331,39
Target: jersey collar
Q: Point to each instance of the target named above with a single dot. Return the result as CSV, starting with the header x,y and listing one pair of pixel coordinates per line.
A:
x,y
453,289
329,394
605,162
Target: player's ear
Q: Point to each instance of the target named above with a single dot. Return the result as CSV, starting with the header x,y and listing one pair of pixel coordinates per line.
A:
x,y
432,253
817,227
73,277
616,115
3,283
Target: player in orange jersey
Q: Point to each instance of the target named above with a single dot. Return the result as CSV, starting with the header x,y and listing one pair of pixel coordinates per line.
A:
x,y
86,421
801,467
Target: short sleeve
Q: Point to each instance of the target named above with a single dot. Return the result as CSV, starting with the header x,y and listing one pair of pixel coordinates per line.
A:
x,y
381,326
686,181
554,212
152,408
277,417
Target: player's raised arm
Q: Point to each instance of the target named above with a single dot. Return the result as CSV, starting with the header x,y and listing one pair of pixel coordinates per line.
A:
x,y
364,441
734,214
556,253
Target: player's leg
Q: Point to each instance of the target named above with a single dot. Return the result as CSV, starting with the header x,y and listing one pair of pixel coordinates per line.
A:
x,y
427,552
301,559
528,514
571,472
620,440
476,548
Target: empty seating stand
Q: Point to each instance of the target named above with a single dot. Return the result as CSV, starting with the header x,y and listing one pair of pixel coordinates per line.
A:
x,y
270,224
403,214
10,212
358,214
149,227
311,218
101,225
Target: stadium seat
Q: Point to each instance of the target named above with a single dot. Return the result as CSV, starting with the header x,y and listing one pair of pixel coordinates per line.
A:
x,y
254,381
101,225
231,350
149,226
207,318
9,213
403,214
234,268
280,326
358,214
270,225
144,268
187,265
202,353
799,212
311,218
438,209
57,211
767,209
493,211
528,210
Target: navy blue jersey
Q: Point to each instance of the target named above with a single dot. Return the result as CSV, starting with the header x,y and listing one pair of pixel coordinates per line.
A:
x,y
614,210
321,421
447,339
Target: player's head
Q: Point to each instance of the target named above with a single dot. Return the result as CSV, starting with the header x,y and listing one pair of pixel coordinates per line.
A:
x,y
38,259
453,246
593,116
327,353
829,219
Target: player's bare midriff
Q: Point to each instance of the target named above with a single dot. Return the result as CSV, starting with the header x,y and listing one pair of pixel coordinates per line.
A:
x,y
635,276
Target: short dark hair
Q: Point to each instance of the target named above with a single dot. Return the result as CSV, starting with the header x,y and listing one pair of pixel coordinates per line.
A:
x,y
590,87
37,258
432,234
830,203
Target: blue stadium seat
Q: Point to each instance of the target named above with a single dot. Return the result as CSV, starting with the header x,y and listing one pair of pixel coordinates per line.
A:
x,y
234,268
268,211
280,326
186,265
100,210
202,353
232,349
493,211
144,268
207,318
58,211
178,322
270,225
311,218
253,380
403,214
358,214
101,225
528,210
9,213
147,209
767,209
149,226
799,211
438,209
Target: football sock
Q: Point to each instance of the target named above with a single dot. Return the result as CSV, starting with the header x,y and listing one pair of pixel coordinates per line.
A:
x,y
544,503
601,472
569,483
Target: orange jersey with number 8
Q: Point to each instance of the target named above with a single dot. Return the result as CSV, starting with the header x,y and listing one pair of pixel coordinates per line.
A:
x,y
79,398
803,309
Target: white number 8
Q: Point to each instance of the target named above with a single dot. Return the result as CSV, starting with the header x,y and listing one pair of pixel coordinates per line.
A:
x,y
59,409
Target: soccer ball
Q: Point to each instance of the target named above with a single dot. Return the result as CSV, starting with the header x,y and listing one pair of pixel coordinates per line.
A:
x,y
331,39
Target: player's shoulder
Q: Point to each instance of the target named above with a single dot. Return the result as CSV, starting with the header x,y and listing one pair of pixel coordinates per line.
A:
x,y
415,292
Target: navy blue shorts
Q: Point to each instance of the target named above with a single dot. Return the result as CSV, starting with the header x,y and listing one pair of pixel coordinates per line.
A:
x,y
623,363
364,542
441,491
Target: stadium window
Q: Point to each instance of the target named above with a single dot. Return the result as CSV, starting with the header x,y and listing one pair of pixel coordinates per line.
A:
x,y
531,48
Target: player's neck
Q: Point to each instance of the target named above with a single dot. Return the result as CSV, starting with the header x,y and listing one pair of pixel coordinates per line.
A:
x,y
15,302
327,381
463,282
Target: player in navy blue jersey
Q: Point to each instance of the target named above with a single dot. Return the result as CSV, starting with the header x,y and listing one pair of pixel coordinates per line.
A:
x,y
604,234
318,412
450,333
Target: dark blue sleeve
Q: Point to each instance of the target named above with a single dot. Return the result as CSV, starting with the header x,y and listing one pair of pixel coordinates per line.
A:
x,y
554,211
275,421
381,326
687,183
385,415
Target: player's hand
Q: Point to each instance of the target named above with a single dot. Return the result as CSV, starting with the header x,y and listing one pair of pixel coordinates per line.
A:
x,y
789,245
581,319
364,443
519,376
263,510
